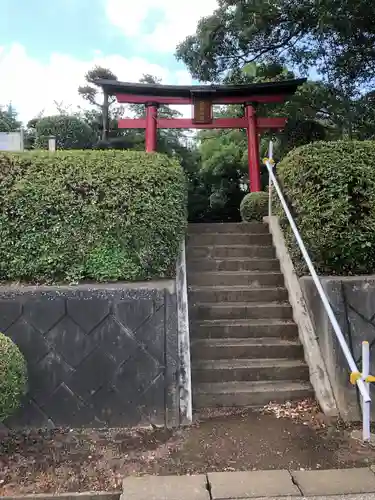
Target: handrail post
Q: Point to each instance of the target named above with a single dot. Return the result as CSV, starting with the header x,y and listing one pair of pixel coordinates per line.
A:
x,y
269,196
270,157
366,405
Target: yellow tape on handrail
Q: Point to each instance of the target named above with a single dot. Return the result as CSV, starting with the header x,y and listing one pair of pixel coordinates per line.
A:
x,y
269,160
354,376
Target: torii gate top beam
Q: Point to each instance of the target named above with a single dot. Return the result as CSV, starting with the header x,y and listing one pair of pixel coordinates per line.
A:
x,y
145,93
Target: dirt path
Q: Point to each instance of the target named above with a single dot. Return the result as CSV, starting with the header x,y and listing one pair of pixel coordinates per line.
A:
x,y
73,460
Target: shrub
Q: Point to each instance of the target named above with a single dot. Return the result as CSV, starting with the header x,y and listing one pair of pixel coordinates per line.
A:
x,y
331,189
70,132
90,215
13,377
254,206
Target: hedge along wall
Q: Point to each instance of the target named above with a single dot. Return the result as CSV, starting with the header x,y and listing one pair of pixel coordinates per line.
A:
x,y
331,189
89,215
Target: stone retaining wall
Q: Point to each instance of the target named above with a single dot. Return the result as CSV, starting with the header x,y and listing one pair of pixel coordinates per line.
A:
x,y
101,355
353,302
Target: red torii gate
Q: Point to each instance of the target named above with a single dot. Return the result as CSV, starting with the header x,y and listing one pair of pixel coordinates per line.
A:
x,y
203,98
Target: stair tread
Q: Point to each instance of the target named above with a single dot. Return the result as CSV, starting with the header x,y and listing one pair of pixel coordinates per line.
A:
x,y
248,342
230,245
230,364
242,304
251,386
233,259
235,273
254,223
213,233
235,288
242,322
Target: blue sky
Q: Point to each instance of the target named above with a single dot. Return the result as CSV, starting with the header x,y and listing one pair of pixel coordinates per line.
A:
x,y
46,46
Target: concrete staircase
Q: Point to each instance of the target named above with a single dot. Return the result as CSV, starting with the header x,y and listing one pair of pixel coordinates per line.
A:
x,y
244,343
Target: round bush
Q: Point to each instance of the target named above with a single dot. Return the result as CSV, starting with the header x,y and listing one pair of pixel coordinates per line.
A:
x,y
91,215
254,206
331,189
13,377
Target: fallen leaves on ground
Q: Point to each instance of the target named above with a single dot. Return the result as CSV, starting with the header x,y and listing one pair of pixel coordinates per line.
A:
x,y
306,411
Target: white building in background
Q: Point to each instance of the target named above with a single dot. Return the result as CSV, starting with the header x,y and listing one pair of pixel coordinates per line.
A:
x,y
11,141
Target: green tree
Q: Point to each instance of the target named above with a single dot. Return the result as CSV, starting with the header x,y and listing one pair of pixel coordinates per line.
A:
x,y
70,132
8,119
100,118
335,37
103,116
224,169
30,132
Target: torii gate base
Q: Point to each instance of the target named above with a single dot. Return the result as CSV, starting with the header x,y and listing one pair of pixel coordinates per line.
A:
x,y
203,98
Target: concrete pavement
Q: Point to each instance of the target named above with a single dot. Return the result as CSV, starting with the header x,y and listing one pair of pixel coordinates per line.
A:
x,y
339,484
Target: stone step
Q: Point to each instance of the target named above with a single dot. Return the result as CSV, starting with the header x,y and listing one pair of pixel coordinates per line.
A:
x,y
256,328
269,347
228,227
240,278
233,264
241,310
252,394
242,370
236,294
209,239
231,251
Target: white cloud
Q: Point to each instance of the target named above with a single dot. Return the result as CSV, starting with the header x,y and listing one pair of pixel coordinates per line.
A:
x,y
179,19
33,86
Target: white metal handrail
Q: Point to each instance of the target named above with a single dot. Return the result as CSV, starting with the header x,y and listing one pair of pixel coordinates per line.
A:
x,y
362,384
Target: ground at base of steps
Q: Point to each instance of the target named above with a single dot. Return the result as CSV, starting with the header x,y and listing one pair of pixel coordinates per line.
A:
x,y
293,437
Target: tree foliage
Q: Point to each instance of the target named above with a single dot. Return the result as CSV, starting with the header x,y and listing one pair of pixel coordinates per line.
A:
x,y
8,119
90,92
336,37
70,132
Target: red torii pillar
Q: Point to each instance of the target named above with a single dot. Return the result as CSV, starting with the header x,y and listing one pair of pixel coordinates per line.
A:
x,y
253,148
151,127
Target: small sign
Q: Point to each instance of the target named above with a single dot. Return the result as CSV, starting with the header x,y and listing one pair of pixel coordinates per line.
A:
x,y
202,111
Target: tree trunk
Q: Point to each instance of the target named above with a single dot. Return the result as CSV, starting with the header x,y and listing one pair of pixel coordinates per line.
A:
x,y
105,112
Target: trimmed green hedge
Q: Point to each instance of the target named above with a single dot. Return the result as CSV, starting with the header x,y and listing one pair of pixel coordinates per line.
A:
x,y
90,215
331,189
254,206
13,377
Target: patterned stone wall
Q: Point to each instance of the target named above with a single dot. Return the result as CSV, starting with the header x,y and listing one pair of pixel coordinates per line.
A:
x,y
353,302
97,355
